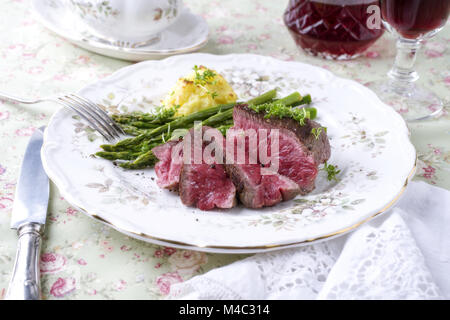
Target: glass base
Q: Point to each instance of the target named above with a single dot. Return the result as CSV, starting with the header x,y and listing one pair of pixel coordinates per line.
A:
x,y
330,56
413,102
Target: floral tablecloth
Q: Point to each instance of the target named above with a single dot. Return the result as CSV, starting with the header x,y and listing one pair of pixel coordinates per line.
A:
x,y
83,259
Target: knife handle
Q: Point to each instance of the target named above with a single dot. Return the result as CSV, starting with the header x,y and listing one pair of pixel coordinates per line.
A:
x,y
24,284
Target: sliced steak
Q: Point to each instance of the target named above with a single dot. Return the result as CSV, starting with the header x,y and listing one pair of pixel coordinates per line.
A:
x,y
256,190
168,168
205,184
300,152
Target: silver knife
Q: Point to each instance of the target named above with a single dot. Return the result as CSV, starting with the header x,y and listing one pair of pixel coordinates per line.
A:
x,y
28,217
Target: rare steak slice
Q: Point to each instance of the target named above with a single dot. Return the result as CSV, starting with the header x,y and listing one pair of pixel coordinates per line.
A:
x,y
257,190
168,168
300,152
203,181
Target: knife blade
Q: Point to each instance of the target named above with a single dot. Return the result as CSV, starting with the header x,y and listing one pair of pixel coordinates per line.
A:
x,y
32,190
28,217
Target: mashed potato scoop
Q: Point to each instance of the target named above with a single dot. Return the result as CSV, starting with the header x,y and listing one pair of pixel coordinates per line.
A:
x,y
202,88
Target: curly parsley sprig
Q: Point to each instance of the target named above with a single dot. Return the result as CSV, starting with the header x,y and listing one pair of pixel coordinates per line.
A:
x,y
331,171
280,110
317,131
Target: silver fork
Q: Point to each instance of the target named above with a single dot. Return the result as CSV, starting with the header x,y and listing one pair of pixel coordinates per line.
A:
x,y
88,110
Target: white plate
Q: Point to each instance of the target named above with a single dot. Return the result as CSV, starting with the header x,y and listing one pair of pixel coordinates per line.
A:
x,y
370,144
188,34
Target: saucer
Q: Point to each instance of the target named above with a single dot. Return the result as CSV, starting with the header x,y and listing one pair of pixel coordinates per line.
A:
x,y
189,33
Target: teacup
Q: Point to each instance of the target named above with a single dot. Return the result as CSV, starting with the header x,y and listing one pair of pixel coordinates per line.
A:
x,y
129,23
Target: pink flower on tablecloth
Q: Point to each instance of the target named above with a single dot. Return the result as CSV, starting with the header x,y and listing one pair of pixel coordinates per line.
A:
x,y
169,251
430,53
226,40
252,46
2,170
62,287
429,172
187,262
83,59
5,202
52,262
372,54
264,36
158,254
125,248
71,211
25,132
164,281
4,115
447,80
120,285
107,246
82,262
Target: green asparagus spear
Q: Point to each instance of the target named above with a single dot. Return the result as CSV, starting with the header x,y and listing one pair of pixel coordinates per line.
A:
x,y
131,130
218,118
290,99
180,122
265,97
122,155
312,112
147,159
304,100
143,125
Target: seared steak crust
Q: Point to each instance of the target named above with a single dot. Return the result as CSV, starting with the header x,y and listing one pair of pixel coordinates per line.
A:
x,y
319,148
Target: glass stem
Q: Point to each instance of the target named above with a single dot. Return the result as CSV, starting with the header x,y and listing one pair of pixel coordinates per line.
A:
x,y
403,70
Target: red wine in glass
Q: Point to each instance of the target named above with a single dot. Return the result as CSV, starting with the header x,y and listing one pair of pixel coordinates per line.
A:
x,y
412,21
333,29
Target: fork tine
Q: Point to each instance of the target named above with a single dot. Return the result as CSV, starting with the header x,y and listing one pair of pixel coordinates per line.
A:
x,y
100,112
92,117
100,119
81,113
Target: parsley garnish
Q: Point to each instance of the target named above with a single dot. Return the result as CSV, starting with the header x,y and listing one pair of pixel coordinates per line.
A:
x,y
317,131
203,78
280,110
331,171
165,114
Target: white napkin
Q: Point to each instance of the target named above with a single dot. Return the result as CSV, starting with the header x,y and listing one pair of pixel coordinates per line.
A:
x,y
404,254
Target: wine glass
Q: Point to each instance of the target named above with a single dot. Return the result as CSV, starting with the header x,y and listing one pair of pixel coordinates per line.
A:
x,y
411,21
